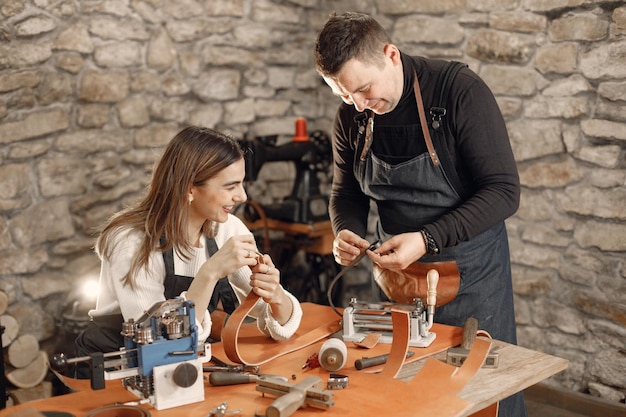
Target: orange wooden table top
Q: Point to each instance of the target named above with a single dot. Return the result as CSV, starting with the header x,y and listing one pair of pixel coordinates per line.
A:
x,y
518,369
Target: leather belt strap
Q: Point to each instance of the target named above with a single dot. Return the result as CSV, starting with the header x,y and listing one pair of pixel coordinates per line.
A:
x,y
266,352
422,114
119,411
441,382
399,343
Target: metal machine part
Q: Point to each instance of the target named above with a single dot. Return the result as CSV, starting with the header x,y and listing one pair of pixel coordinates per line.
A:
x,y
361,318
367,362
291,397
311,157
456,355
337,381
160,361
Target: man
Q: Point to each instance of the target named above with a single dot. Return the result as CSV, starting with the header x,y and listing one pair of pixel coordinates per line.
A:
x,y
443,204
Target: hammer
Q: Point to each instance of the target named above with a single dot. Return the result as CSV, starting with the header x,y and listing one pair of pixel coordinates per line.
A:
x,y
457,355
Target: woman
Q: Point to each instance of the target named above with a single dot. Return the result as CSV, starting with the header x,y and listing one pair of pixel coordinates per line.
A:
x,y
182,239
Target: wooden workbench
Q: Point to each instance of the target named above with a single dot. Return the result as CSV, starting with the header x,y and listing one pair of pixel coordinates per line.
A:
x,y
518,369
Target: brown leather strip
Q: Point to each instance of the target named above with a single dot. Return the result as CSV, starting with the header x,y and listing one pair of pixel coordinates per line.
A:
x,y
119,411
260,350
230,332
420,109
399,343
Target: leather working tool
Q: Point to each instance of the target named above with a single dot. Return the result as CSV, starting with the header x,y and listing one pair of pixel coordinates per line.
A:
x,y
366,362
457,355
291,397
333,355
160,361
221,410
361,319
355,261
234,378
221,366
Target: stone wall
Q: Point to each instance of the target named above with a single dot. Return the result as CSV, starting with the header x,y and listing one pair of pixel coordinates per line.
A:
x,y
91,90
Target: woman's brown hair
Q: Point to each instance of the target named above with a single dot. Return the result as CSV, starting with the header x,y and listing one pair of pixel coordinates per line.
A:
x,y
193,156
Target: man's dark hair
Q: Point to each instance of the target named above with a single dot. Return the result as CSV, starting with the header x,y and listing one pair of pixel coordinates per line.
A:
x,y
347,36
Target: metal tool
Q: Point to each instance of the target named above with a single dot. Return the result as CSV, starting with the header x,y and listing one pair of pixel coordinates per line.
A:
x,y
291,397
457,355
362,318
337,381
355,262
159,361
221,410
233,378
366,362
221,366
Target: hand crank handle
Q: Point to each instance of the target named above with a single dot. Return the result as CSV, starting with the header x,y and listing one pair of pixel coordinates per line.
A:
x,y
432,279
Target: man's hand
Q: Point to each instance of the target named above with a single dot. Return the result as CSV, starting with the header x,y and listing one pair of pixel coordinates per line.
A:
x,y
400,251
347,246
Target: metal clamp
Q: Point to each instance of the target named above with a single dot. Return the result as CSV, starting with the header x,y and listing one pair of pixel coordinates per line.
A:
x,y
337,381
221,409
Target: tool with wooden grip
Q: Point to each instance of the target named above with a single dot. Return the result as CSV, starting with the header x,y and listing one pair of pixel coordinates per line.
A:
x,y
235,378
457,355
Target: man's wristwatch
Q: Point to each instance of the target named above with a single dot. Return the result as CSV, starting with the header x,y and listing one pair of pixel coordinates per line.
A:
x,y
431,245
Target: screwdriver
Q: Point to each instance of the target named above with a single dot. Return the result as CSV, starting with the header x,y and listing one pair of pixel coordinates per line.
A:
x,y
234,378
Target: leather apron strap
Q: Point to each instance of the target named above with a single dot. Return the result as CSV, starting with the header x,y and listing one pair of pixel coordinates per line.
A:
x,y
369,132
423,123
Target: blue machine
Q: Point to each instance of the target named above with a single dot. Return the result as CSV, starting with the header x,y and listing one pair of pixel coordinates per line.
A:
x,y
165,334
160,361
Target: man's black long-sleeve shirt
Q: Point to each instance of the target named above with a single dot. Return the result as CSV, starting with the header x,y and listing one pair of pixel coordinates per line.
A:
x,y
476,140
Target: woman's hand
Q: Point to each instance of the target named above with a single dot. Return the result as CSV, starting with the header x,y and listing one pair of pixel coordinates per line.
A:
x,y
265,282
238,251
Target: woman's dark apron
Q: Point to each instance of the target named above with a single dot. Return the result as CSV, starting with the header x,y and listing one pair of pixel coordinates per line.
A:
x,y
103,334
414,193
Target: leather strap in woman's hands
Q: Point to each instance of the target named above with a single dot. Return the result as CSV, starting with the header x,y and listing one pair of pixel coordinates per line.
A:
x,y
405,285
265,349
260,349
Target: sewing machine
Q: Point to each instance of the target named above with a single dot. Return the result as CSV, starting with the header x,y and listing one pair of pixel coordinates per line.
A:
x,y
159,362
311,155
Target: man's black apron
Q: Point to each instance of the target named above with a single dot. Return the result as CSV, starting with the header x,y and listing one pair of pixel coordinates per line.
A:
x,y
415,192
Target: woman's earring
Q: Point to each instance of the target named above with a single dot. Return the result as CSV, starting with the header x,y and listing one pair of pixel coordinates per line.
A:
x,y
190,200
